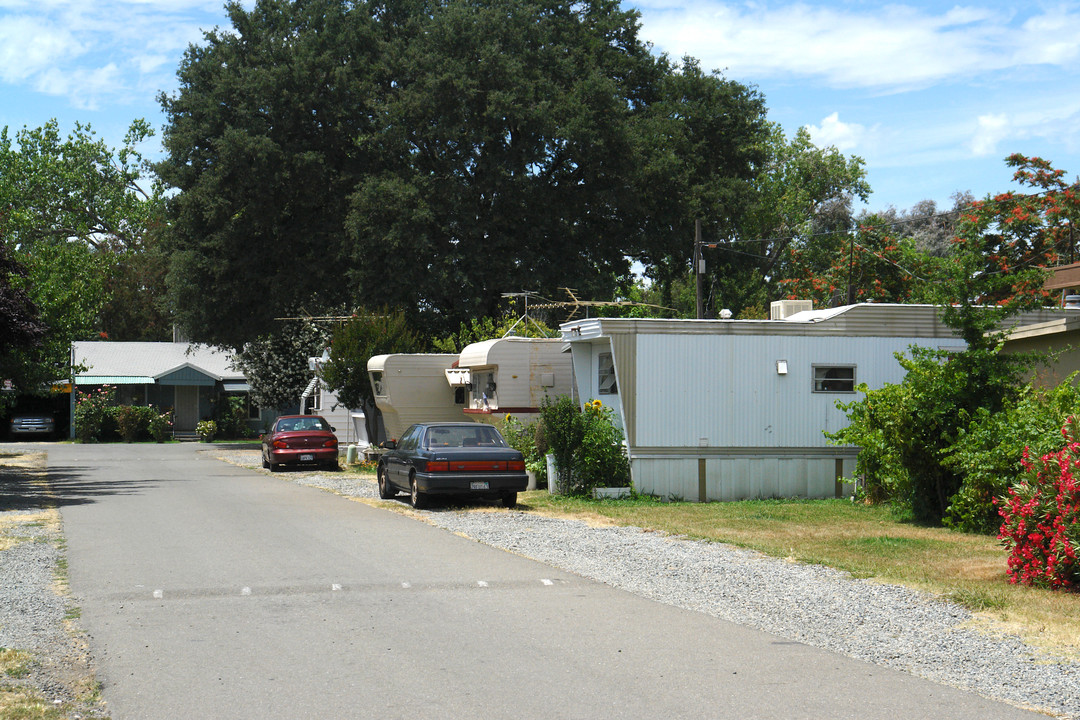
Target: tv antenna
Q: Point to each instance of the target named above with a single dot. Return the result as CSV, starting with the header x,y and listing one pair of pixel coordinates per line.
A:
x,y
576,304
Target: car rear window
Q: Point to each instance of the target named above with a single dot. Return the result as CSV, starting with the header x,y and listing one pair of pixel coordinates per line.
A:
x,y
301,424
476,435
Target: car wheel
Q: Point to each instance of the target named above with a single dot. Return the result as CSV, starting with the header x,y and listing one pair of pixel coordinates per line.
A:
x,y
332,465
417,498
509,500
386,490
275,467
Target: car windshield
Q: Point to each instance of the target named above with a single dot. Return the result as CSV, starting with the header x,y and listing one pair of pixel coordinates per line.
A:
x,y
475,435
301,424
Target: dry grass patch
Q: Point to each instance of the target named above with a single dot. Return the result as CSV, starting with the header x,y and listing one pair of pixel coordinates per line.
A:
x,y
14,663
18,703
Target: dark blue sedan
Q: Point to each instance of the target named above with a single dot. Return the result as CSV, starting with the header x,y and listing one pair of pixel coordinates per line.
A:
x,y
464,459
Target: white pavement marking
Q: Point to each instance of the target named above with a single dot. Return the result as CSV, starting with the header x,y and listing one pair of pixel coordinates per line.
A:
x,y
335,587
406,585
245,591
482,583
158,594
547,582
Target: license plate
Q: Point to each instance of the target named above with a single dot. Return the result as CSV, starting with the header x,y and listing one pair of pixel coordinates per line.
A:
x,y
307,458
479,485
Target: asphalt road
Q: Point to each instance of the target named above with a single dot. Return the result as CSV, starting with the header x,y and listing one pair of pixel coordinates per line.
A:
x,y
212,591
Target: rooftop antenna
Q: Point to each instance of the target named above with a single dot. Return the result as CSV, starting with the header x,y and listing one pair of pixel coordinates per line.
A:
x,y
576,304
524,319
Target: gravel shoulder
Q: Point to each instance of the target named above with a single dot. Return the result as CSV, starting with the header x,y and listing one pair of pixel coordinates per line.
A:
x,y
888,625
37,614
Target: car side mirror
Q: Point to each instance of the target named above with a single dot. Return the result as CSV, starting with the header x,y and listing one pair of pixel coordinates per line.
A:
x,y
333,429
388,444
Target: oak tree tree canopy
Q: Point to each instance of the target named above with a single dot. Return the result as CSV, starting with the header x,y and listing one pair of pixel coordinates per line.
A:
x,y
429,155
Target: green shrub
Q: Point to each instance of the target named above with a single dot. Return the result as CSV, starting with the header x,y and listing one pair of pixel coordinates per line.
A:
x,y
910,428
601,460
160,426
587,446
133,421
529,439
206,430
232,418
91,410
989,452
882,477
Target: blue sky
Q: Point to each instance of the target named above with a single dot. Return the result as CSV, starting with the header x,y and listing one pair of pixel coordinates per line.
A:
x,y
932,95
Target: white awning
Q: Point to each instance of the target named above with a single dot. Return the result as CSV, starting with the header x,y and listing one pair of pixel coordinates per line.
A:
x,y
458,377
235,386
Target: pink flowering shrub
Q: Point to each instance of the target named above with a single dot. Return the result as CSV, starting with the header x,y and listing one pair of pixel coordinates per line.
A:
x,y
1041,518
90,411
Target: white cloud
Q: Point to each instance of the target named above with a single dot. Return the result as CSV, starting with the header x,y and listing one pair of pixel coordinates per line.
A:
x,y
893,47
832,132
991,130
1050,38
99,52
29,46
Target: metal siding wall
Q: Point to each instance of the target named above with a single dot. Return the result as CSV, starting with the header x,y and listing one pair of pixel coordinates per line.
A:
x,y
726,389
746,478
666,478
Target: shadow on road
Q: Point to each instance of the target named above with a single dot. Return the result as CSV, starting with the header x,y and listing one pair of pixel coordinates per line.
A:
x,y
24,490
70,486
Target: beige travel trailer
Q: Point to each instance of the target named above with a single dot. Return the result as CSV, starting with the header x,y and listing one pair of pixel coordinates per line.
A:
x,y
512,375
411,388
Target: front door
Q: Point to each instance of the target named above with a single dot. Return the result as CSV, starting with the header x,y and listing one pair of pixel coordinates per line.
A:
x,y
187,408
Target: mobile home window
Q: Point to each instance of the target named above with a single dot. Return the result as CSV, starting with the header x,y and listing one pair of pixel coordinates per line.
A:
x,y
377,384
606,376
834,378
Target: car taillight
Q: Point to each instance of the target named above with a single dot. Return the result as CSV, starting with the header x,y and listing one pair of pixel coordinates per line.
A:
x,y
332,442
438,466
515,465
280,444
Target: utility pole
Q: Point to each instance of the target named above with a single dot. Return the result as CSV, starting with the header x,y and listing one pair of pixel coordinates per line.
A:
x,y
698,269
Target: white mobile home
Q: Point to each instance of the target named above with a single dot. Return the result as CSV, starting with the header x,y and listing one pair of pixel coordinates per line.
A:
x,y
512,375
412,388
735,409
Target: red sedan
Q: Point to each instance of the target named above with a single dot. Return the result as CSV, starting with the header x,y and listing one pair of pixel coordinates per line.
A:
x,y
300,440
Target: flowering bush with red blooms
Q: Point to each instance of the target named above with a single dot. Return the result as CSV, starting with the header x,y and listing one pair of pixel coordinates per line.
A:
x,y
1041,516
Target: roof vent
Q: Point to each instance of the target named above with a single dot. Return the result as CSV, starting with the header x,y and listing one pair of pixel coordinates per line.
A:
x,y
783,309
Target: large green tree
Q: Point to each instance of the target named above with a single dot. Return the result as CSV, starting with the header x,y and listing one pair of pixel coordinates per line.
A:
x,y
786,222
77,215
430,155
704,141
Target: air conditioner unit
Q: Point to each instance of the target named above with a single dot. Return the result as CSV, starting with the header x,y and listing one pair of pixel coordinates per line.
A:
x,y
783,309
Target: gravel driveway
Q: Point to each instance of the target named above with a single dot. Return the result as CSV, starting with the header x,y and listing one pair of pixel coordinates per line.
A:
x,y
883,624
